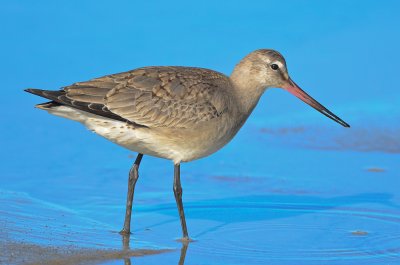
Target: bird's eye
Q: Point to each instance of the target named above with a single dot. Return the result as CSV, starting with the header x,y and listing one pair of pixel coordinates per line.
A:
x,y
274,66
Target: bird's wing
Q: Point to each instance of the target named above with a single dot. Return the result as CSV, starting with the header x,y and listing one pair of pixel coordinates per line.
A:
x,y
175,97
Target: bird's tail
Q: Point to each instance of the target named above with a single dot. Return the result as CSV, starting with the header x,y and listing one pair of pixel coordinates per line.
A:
x,y
52,95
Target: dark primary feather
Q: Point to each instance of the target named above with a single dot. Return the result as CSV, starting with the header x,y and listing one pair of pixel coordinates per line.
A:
x,y
60,98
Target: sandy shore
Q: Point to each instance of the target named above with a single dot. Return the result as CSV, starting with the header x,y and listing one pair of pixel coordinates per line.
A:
x,y
31,254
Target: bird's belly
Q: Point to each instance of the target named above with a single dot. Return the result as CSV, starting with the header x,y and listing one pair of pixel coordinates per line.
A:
x,y
121,133
193,143
155,142
175,144
140,140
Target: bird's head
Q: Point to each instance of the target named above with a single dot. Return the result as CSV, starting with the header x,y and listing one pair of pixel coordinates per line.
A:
x,y
267,68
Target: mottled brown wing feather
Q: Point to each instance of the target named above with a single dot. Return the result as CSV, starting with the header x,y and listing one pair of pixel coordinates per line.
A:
x,y
92,91
157,96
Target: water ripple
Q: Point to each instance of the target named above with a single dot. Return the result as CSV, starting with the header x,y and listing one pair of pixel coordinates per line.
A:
x,y
295,231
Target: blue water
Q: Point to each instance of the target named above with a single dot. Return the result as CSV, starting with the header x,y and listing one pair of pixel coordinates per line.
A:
x,y
292,188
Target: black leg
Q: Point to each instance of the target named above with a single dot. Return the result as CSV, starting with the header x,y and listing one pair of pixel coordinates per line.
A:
x,y
183,253
133,176
178,198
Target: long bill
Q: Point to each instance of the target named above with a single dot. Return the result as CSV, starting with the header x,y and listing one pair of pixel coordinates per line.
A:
x,y
301,94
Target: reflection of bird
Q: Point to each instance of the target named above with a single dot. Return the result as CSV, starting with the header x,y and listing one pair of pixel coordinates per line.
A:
x,y
178,113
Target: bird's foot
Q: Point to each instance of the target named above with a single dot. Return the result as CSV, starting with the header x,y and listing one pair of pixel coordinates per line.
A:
x,y
185,240
125,232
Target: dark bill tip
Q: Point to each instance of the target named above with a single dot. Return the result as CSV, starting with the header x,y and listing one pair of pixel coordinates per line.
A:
x,y
301,94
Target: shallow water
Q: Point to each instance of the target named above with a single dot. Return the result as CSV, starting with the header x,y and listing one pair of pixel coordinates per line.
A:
x,y
278,208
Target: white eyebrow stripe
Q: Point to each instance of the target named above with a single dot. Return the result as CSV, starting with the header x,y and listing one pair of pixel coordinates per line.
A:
x,y
280,64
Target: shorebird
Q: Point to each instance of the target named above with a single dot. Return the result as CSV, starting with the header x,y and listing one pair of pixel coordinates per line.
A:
x,y
173,112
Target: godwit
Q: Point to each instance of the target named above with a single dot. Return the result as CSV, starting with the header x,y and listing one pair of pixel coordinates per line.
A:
x,y
177,113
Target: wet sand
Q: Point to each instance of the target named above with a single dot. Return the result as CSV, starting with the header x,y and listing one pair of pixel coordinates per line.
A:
x,y
31,254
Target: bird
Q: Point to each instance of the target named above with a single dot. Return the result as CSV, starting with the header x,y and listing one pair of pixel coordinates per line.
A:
x,y
173,112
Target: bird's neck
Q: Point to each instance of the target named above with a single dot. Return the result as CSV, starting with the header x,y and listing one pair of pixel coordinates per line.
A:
x,y
247,89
